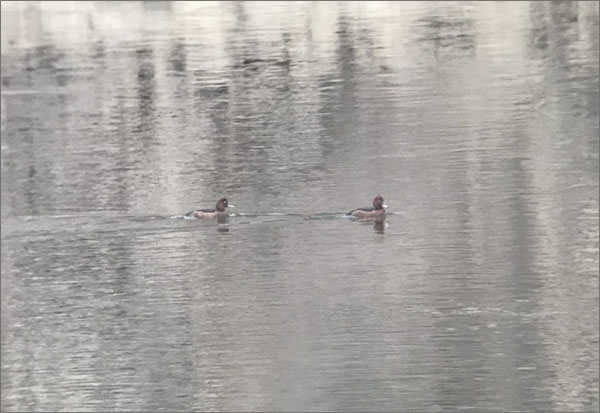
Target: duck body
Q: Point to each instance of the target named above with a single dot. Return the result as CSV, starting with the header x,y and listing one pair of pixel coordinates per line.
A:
x,y
377,210
219,212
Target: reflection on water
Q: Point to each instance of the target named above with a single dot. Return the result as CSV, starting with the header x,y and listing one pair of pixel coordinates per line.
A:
x,y
478,123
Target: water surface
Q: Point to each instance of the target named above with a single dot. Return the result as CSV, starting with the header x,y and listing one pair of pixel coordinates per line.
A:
x,y
478,122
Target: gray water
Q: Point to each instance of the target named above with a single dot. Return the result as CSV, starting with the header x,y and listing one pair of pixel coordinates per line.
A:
x,y
477,122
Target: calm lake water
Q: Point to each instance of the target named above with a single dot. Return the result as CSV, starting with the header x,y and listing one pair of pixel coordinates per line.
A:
x,y
478,123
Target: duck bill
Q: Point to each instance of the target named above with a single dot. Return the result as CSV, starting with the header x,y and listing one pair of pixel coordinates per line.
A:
x,y
384,206
230,206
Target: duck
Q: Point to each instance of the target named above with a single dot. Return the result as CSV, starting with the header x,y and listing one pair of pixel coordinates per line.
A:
x,y
219,212
377,210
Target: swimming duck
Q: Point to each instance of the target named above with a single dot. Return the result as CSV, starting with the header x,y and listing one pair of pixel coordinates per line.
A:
x,y
377,210
219,212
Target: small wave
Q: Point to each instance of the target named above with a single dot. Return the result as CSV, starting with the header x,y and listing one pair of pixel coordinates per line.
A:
x,y
329,215
283,215
17,92
182,217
